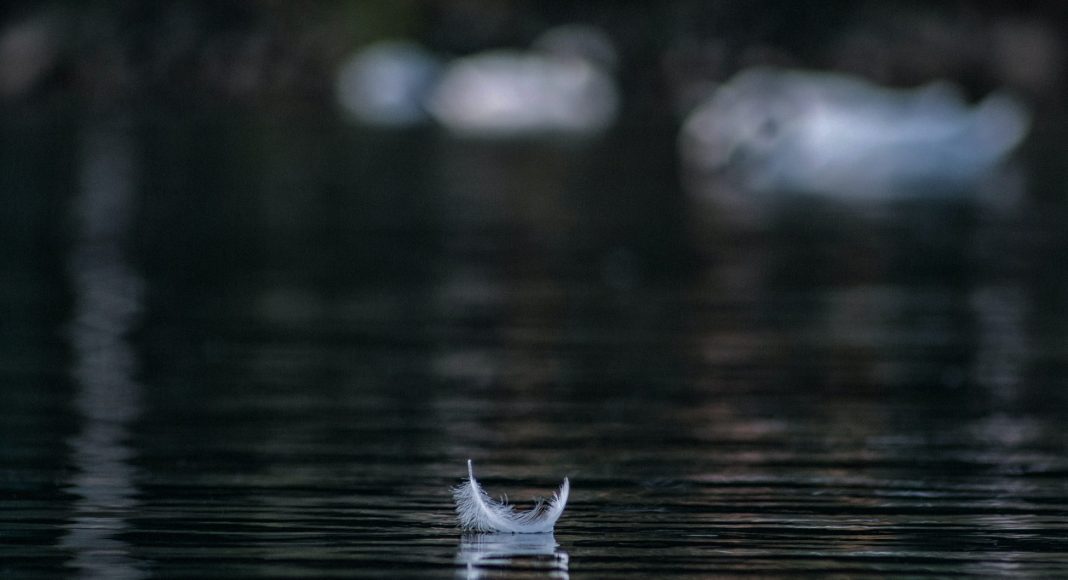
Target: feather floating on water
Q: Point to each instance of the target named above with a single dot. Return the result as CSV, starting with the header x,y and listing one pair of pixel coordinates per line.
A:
x,y
477,511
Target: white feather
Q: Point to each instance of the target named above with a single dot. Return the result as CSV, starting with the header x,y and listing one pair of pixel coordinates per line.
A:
x,y
479,512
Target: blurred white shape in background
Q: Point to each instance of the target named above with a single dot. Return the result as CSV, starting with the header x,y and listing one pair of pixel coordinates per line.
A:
x,y
826,134
562,86
386,84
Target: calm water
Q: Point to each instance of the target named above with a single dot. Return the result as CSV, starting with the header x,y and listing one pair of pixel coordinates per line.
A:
x,y
253,349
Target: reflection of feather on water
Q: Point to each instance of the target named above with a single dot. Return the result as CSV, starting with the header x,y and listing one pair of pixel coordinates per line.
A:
x,y
785,131
477,511
519,552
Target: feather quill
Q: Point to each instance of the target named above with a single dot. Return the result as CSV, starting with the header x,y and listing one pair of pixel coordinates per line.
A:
x,y
477,511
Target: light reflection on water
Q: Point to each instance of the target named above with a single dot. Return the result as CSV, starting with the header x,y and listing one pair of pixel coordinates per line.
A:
x,y
108,301
297,400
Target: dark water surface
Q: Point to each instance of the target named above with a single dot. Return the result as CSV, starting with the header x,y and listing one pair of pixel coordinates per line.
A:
x,y
234,349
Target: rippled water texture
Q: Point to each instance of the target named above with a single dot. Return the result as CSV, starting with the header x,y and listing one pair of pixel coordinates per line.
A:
x,y
237,350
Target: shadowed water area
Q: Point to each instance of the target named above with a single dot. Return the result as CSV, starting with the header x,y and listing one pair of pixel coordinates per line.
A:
x,y
237,348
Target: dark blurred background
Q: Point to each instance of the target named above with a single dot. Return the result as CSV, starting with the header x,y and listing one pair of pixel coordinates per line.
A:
x,y
230,309
186,74
274,52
